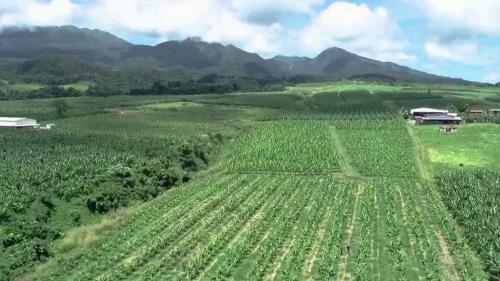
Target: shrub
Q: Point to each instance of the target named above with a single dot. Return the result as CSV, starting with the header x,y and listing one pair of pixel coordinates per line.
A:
x,y
119,171
170,177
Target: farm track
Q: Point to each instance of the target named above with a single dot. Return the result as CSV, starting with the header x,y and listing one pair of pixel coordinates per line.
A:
x,y
344,158
319,239
419,151
463,260
294,261
343,272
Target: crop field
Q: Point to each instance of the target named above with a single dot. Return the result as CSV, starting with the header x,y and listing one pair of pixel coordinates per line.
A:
x,y
473,198
379,148
267,227
285,186
465,91
285,146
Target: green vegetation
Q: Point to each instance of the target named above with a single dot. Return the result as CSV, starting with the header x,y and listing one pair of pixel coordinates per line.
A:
x,y
288,146
92,164
80,86
346,86
379,147
268,186
473,198
473,146
24,87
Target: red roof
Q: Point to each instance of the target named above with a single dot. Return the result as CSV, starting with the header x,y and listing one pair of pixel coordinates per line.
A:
x,y
475,111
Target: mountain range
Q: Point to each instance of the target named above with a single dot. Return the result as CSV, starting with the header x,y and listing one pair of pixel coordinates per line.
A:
x,y
95,48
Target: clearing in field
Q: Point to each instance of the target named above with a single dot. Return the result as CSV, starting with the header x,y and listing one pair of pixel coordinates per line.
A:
x,y
473,146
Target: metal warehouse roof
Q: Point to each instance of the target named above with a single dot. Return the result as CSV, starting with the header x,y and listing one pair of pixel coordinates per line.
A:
x,y
441,117
11,119
428,110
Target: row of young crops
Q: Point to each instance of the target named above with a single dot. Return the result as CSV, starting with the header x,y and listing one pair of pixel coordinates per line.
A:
x,y
378,147
274,227
474,199
280,209
53,180
285,146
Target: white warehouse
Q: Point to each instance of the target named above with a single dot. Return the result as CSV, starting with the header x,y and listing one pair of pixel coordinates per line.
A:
x,y
18,122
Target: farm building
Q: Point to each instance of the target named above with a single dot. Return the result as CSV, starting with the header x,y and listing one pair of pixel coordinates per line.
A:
x,y
448,129
18,122
475,111
495,111
424,111
438,119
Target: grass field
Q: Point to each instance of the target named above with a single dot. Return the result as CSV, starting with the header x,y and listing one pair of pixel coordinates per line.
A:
x,y
27,87
347,86
330,186
80,86
474,146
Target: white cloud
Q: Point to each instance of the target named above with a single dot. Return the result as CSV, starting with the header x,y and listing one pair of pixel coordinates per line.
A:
x,y
464,52
254,25
266,11
463,17
212,20
491,77
457,29
358,28
459,52
31,12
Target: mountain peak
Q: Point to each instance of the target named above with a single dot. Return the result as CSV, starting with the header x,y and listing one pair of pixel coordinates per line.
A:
x,y
193,39
192,54
334,52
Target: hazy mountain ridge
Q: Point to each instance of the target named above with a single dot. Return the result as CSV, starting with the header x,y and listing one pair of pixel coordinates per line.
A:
x,y
194,55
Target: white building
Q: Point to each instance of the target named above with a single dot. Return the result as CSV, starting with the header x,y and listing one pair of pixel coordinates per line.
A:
x,y
424,111
18,122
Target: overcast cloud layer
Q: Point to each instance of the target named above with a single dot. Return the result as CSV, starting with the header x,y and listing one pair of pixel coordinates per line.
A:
x,y
449,37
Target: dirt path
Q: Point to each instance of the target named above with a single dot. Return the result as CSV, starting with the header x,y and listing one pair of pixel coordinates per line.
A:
x,y
376,269
344,159
320,236
424,173
257,217
343,274
446,260
286,250
448,266
411,237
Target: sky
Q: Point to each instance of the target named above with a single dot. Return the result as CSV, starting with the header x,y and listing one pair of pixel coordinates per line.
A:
x,y
456,38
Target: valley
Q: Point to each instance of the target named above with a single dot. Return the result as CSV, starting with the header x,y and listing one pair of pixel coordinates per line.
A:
x,y
317,182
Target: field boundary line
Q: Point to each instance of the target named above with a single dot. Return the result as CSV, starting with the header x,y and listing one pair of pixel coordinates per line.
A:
x,y
446,260
419,152
344,260
344,158
243,230
411,238
320,236
290,241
